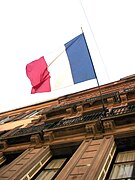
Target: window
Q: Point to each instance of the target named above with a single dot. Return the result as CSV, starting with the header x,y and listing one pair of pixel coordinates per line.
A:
x,y
52,169
5,120
8,158
124,166
61,154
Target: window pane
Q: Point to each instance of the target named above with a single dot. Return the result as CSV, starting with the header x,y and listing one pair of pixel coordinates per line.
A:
x,y
51,169
55,164
46,175
126,156
122,171
124,165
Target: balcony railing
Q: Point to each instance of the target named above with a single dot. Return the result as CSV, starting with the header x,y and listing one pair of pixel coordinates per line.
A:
x,y
122,110
72,121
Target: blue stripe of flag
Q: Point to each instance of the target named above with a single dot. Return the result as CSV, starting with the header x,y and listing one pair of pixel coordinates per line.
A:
x,y
80,60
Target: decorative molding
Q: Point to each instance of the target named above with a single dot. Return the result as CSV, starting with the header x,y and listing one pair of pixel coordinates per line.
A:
x,y
36,139
124,100
91,129
108,125
3,144
48,136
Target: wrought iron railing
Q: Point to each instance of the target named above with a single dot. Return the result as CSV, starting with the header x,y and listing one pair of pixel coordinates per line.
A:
x,y
30,130
122,110
88,100
79,119
71,121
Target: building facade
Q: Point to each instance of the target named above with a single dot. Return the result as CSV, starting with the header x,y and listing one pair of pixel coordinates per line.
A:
x,y
78,136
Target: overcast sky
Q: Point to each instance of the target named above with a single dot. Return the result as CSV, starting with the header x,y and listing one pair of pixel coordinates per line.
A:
x,y
30,29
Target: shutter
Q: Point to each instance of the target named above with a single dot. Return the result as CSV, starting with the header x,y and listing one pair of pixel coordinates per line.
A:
x,y
27,164
90,161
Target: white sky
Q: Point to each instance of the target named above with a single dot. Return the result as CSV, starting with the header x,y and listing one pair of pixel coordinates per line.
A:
x,y
30,29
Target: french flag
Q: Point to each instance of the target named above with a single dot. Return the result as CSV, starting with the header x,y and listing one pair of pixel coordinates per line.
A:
x,y
70,65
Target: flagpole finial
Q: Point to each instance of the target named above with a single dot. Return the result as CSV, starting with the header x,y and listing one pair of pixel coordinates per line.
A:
x,y
82,29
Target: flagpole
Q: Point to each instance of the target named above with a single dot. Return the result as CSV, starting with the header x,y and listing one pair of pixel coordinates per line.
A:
x,y
103,106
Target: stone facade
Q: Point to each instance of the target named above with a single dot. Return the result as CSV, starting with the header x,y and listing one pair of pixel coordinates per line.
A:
x,y
83,129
